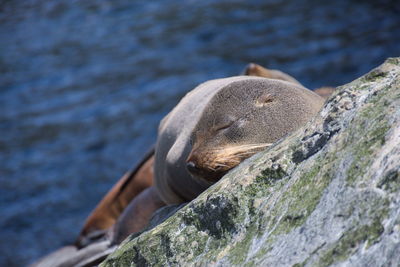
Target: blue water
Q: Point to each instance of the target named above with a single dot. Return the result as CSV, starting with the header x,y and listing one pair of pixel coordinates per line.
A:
x,y
85,83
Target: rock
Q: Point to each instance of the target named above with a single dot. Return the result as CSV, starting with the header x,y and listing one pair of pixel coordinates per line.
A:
x,y
327,195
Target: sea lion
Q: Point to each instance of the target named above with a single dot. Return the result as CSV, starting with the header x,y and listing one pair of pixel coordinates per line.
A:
x,y
212,129
253,69
233,118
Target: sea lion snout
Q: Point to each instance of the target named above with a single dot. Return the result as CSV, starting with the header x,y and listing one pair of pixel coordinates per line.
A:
x,y
198,165
193,165
192,168
211,164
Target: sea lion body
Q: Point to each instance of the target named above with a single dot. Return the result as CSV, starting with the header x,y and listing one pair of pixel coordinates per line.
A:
x,y
172,180
212,129
253,69
219,114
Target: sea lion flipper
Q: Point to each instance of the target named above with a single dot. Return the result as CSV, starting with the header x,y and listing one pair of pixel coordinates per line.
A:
x,y
136,215
114,202
325,91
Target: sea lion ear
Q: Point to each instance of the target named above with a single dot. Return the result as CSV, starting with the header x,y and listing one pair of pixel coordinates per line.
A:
x,y
253,69
264,99
256,70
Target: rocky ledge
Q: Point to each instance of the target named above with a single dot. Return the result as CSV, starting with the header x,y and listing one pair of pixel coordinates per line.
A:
x,y
327,195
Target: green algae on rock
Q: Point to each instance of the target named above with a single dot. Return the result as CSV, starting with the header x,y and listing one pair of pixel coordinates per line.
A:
x,y
326,195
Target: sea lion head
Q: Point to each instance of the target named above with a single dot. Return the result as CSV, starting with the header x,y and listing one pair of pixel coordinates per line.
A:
x,y
243,118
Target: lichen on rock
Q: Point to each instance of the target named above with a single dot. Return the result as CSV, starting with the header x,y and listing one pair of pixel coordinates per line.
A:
x,y
326,195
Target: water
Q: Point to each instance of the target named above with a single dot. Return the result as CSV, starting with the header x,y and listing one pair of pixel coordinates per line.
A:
x,y
85,83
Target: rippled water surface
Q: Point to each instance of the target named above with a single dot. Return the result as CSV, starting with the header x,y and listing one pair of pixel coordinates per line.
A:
x,y
85,83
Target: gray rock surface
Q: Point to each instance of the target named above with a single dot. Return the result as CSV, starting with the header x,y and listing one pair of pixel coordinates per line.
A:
x,y
327,195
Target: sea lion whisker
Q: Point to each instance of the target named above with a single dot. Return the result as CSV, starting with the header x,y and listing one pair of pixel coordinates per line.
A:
x,y
218,164
240,150
229,157
230,162
211,168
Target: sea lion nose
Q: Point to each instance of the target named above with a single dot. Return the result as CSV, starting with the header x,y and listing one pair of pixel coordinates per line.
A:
x,y
191,166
